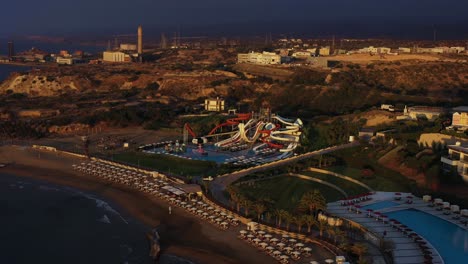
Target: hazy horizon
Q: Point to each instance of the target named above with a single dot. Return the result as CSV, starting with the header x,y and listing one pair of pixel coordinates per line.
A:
x,y
349,18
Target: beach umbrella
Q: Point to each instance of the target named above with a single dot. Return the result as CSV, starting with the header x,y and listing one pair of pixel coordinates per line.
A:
x,y
288,248
276,252
243,232
218,219
256,240
250,236
307,249
210,208
284,257
263,244
183,203
285,236
281,244
261,232
224,223
230,216
297,253
270,248
314,262
299,245
292,240
268,236
274,239
205,213
223,214
329,261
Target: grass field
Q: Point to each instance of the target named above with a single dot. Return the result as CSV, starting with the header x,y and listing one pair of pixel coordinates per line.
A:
x,y
350,188
353,160
286,191
168,164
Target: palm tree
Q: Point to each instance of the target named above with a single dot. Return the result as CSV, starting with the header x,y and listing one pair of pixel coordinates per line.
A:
x,y
314,201
234,194
331,232
268,216
247,204
259,208
359,249
299,221
288,219
309,221
279,213
321,224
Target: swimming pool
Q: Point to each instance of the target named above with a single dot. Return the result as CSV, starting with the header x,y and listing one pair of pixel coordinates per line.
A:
x,y
380,205
450,240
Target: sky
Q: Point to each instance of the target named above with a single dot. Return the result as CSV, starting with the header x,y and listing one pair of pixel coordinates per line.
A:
x,y
68,16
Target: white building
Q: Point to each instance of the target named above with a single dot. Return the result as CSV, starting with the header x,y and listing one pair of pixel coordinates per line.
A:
x,y
457,160
427,112
116,56
324,51
259,58
404,50
65,60
302,54
375,50
215,105
128,47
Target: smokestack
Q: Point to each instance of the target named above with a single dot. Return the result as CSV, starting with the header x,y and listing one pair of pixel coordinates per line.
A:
x,y
140,40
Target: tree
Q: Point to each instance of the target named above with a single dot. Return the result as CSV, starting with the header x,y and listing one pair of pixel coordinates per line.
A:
x,y
309,221
299,221
280,215
321,224
259,208
288,219
314,201
359,249
247,204
234,195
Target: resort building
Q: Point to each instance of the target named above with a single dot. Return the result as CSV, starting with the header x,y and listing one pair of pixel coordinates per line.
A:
x,y
215,105
259,58
460,117
457,160
65,60
430,113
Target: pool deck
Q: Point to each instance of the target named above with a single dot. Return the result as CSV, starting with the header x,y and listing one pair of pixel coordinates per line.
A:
x,y
406,250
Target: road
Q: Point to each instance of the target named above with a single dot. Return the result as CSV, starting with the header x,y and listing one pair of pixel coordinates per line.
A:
x,y
218,185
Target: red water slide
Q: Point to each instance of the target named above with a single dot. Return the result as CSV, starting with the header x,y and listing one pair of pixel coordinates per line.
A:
x,y
231,122
189,129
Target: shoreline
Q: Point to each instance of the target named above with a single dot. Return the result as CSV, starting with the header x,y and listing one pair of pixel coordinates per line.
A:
x,y
182,234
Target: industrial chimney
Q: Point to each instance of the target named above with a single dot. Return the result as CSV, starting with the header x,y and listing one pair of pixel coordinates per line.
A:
x,y
140,40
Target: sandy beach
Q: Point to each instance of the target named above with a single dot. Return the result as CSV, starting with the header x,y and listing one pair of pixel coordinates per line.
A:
x,y
182,234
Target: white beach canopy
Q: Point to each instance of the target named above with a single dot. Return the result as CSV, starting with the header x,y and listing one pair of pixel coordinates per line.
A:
x,y
455,208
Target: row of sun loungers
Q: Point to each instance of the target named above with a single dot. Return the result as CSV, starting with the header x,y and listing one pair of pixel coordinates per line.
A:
x,y
160,188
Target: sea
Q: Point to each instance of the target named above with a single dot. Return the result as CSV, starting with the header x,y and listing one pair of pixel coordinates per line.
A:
x,y
47,223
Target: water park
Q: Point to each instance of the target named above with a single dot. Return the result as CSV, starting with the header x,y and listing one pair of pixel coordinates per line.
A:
x,y
245,139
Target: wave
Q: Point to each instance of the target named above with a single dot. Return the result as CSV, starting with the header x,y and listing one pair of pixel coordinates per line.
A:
x,y
101,204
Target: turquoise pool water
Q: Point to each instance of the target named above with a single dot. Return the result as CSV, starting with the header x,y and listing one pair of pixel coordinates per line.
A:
x,y
450,240
380,205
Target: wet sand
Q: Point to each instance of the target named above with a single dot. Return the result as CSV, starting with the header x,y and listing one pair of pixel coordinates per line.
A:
x,y
182,234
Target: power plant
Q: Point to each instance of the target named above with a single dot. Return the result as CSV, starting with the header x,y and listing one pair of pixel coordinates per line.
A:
x,y
125,52
140,41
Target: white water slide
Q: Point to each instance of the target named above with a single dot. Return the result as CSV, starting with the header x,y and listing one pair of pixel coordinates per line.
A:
x,y
290,134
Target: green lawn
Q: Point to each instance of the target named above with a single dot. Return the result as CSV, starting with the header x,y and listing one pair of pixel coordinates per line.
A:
x,y
168,164
353,160
350,188
286,191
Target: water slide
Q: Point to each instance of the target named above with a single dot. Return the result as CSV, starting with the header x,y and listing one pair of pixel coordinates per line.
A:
x,y
236,137
291,134
243,132
231,122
